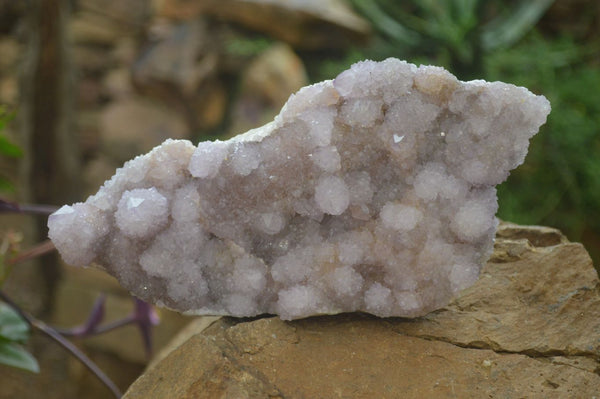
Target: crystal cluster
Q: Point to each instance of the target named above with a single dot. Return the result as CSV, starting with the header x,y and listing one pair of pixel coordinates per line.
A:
x,y
371,192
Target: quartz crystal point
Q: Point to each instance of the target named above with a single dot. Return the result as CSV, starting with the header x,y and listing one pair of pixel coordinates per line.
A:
x,y
372,192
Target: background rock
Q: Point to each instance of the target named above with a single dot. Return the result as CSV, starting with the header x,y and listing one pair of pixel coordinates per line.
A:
x,y
101,22
175,58
530,327
181,68
134,126
10,50
302,23
266,84
118,83
275,74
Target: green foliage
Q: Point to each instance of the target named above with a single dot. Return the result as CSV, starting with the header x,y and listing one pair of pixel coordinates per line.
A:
x,y
247,47
564,159
12,326
13,332
329,67
7,148
452,33
513,24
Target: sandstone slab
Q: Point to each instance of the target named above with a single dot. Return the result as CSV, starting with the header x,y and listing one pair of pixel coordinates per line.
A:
x,y
529,328
542,300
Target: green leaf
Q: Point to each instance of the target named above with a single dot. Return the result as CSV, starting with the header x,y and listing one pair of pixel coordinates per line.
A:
x,y
12,326
15,356
505,31
9,149
386,23
5,116
6,186
247,46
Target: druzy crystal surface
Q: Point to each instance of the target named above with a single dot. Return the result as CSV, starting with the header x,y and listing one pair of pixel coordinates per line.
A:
x,y
371,192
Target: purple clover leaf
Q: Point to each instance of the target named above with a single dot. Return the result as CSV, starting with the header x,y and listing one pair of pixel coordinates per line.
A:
x,y
143,316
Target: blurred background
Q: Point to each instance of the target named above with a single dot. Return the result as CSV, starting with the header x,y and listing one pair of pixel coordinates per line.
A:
x,y
86,85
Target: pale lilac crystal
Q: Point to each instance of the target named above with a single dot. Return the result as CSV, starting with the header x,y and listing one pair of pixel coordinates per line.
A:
x,y
372,192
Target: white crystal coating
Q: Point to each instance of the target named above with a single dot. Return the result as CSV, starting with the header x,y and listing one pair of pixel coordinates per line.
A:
x,y
327,158
332,195
207,159
373,192
142,212
400,217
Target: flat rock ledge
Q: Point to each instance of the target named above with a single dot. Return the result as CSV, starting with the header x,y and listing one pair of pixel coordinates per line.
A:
x,y
529,328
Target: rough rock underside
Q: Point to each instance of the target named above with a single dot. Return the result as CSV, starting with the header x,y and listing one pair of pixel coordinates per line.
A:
x,y
374,191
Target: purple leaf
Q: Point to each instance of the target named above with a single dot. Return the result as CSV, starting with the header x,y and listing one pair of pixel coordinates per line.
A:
x,y
90,327
145,317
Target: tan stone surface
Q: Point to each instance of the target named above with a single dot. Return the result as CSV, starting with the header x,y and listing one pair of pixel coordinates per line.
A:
x,y
545,302
530,328
196,326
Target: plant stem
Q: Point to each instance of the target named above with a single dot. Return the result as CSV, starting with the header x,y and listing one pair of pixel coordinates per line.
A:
x,y
52,333
98,330
36,209
112,326
40,249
